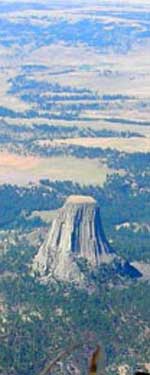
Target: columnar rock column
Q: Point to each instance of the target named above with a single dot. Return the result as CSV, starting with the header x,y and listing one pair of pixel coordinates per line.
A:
x,y
76,232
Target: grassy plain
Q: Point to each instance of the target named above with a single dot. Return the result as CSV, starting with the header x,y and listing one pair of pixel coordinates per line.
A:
x,y
104,88
130,145
24,169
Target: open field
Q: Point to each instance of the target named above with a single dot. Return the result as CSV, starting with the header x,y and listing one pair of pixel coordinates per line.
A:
x,y
121,144
101,124
110,58
21,170
69,75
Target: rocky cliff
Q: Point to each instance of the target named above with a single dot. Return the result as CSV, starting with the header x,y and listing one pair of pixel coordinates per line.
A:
x,y
76,233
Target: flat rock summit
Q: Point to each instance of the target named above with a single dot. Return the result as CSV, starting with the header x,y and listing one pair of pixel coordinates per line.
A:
x,y
76,233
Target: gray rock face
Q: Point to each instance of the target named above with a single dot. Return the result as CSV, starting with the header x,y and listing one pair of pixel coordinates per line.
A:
x,y
76,232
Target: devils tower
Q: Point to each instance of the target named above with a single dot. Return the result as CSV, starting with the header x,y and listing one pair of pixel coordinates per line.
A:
x,y
76,233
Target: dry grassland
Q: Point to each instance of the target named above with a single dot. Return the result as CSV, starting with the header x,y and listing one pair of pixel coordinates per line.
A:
x,y
129,145
24,169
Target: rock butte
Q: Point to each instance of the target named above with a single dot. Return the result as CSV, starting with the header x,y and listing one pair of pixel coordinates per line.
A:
x,y
80,199
76,233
